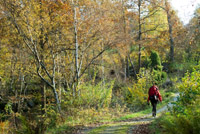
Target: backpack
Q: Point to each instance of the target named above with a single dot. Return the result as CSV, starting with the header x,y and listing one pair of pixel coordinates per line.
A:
x,y
153,97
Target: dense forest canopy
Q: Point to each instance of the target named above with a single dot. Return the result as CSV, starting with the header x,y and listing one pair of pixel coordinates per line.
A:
x,y
58,56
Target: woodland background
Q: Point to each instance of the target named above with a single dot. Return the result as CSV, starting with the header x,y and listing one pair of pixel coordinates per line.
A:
x,y
73,62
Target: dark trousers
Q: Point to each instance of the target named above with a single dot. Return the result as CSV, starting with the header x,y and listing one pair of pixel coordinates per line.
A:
x,y
154,104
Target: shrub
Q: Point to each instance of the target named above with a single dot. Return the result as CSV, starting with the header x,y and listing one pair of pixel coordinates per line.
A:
x,y
186,122
158,75
184,118
155,61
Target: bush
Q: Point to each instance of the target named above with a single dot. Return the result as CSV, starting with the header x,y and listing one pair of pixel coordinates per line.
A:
x,y
155,61
184,117
189,89
158,75
186,122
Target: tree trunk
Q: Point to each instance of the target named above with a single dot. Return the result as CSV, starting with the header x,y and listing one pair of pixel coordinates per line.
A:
x,y
59,79
127,66
170,32
54,84
134,71
40,62
76,50
139,35
43,98
125,69
102,67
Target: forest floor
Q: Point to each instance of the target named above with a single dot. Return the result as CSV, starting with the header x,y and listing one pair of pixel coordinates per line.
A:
x,y
139,125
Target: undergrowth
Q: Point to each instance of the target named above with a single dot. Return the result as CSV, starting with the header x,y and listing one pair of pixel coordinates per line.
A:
x,y
184,117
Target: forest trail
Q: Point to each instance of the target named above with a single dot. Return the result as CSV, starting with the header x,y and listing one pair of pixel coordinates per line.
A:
x,y
130,126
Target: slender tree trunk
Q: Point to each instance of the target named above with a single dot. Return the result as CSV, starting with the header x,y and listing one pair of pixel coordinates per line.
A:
x,y
42,89
139,35
125,69
42,47
76,49
89,72
12,74
170,32
43,98
54,83
134,71
59,80
42,43
127,66
21,90
102,67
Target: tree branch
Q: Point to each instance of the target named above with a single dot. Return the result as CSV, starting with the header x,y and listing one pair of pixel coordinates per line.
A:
x,y
92,60
149,30
46,81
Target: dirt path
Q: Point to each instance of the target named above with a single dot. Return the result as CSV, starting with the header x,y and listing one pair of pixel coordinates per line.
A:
x,y
131,126
122,127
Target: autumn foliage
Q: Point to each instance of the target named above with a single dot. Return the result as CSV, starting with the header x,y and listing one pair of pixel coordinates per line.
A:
x,y
60,56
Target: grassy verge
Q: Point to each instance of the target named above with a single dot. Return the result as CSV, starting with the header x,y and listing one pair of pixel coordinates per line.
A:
x,y
155,126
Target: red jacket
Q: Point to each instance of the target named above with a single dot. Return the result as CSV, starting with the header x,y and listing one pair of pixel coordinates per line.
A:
x,y
154,90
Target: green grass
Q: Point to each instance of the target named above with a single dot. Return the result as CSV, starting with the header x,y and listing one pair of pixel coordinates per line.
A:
x,y
134,115
154,127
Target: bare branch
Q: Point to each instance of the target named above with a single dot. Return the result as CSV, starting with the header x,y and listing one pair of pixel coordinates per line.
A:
x,y
150,14
46,81
93,59
149,30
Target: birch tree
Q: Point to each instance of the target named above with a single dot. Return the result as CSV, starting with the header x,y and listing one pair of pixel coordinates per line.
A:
x,y
36,33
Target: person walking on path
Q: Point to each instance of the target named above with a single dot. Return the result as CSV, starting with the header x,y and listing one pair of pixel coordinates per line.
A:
x,y
154,97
